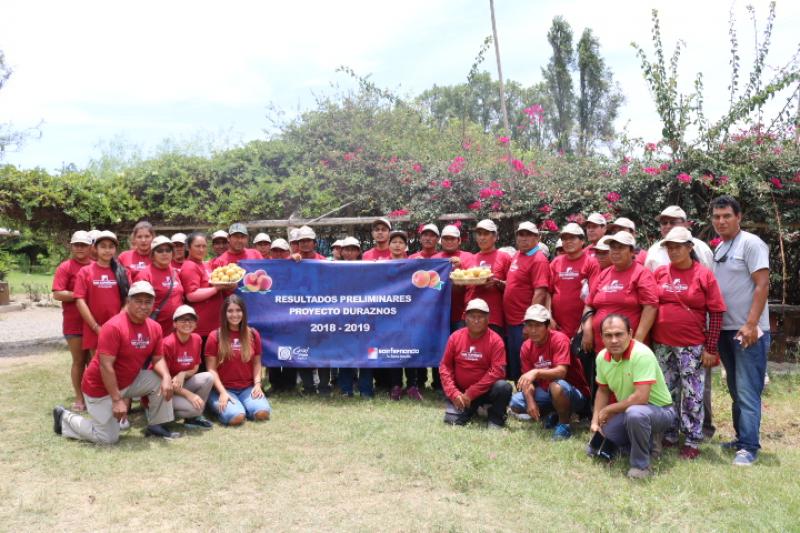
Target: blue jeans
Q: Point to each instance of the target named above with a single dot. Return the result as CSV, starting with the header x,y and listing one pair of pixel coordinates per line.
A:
x,y
745,368
365,387
542,398
241,402
514,337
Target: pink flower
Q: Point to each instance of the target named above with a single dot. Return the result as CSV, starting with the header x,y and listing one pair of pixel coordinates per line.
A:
x,y
723,179
683,177
485,193
613,197
393,159
776,182
475,205
715,242
497,192
349,156
457,224
664,166
494,185
446,184
466,145
420,228
518,165
653,171
777,150
398,213
503,140
608,216
650,147
796,178
495,206
549,225
626,159
623,170
545,209
457,165
417,167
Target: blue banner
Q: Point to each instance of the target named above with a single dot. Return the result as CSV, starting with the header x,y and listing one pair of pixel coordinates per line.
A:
x,y
349,314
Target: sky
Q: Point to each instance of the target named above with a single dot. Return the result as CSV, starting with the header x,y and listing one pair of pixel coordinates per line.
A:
x,y
98,74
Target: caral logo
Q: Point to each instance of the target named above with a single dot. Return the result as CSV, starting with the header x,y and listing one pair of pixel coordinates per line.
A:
x,y
676,286
140,341
300,352
569,273
372,353
104,282
614,286
284,353
167,282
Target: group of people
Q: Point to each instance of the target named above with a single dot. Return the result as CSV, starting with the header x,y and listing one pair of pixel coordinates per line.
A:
x,y
657,320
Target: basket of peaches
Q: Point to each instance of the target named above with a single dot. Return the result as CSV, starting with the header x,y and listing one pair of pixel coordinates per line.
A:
x,y
226,277
471,276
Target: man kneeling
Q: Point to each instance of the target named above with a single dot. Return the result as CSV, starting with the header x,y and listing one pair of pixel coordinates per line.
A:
x,y
552,379
115,373
629,370
473,370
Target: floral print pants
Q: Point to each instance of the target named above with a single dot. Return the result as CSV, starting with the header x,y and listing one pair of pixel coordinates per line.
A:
x,y
685,377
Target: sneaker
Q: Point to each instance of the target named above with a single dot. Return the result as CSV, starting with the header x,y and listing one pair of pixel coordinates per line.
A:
x,y
58,414
730,445
639,473
492,425
396,393
744,458
525,417
562,432
551,421
124,424
157,430
483,411
689,453
414,394
198,422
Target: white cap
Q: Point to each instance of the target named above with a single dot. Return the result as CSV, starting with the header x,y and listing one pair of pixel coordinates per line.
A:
x,y
382,220
672,211
488,225
219,234
183,310
537,312
678,234
179,238
626,223
451,231
559,244
280,244
350,241
398,233
622,237
141,287
597,218
572,229
105,234
602,244
528,226
261,237
293,235
337,244
477,305
430,227
81,237
158,241
94,233
305,232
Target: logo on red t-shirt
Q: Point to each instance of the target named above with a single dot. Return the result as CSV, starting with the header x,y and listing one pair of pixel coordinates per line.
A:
x,y
514,267
104,282
472,354
185,359
675,286
614,286
569,273
140,341
167,282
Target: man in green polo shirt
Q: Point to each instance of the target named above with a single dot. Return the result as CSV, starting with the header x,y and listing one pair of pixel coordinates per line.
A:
x,y
629,370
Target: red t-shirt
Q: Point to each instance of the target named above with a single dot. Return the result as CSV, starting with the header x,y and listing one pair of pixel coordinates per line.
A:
x,y
161,279
176,265
373,254
590,250
64,280
470,365
194,276
233,372
314,255
181,356
566,281
131,344
229,257
97,286
621,292
525,274
422,255
552,353
641,257
684,298
134,262
499,263
458,293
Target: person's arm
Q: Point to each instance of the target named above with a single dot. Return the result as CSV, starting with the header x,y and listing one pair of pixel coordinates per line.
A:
x,y
530,401
160,368
211,366
587,342
201,295
86,315
63,296
118,406
749,332
540,296
710,348
257,391
446,374
601,399
649,313
496,371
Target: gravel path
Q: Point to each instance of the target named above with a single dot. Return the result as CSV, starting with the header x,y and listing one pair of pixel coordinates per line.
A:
x,y
31,329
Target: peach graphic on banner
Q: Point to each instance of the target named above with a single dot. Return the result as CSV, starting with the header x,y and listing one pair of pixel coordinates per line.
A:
x,y
421,279
258,281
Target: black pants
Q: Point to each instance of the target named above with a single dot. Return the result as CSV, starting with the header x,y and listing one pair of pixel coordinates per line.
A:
x,y
497,398
283,378
307,376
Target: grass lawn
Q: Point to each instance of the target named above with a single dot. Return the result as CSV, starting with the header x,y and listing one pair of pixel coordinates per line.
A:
x,y
342,464
18,280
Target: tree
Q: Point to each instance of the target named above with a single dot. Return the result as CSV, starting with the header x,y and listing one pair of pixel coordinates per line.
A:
x,y
559,82
599,98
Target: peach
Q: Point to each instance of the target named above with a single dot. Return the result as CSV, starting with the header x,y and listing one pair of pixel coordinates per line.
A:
x,y
265,282
251,282
420,279
434,278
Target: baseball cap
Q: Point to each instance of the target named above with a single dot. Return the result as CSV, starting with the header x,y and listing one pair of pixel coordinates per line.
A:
x,y
105,234
238,227
261,237
597,218
179,238
672,211
430,227
305,232
81,237
537,312
477,304
183,310
488,225
622,237
573,229
626,223
559,244
398,233
350,241
528,226
141,287
337,244
158,241
451,231
94,233
293,235
382,220
678,234
280,244
602,244
219,234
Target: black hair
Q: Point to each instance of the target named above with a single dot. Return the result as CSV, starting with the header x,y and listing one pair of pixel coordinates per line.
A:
x,y
190,239
122,278
721,202
612,316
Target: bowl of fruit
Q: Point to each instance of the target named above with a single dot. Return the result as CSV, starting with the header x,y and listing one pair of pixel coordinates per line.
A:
x,y
471,276
228,275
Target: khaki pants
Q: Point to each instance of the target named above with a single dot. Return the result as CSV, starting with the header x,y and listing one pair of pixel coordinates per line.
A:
x,y
199,384
103,428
